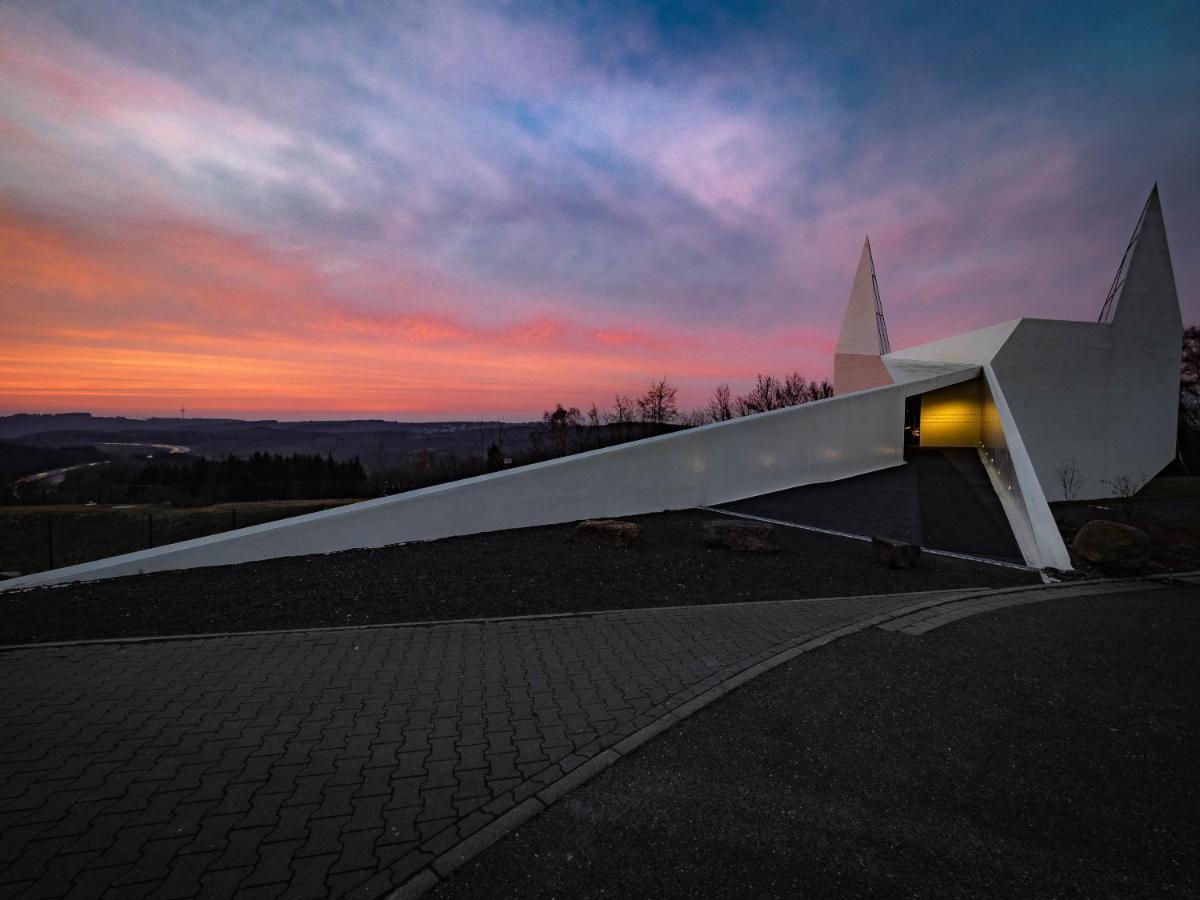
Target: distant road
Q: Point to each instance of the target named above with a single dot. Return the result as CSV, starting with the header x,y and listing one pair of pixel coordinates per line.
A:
x,y
51,476
172,449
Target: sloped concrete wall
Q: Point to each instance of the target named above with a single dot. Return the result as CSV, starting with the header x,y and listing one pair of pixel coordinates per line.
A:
x,y
1093,394
1010,470
820,441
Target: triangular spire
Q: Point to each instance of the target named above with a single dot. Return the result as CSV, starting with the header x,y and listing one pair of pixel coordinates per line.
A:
x,y
1143,295
863,339
863,328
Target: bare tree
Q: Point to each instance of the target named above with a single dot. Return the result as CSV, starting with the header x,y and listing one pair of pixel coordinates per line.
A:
x,y
1126,489
1189,395
559,427
623,409
594,425
822,391
1123,487
763,397
622,416
1189,365
657,405
1070,478
793,390
720,407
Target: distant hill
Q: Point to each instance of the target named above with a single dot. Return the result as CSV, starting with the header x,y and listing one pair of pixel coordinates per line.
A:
x,y
376,442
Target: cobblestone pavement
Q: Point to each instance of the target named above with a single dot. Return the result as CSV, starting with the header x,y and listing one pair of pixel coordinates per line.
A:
x,y
340,762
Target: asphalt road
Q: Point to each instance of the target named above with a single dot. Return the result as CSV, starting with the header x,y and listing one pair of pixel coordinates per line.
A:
x,y
1048,750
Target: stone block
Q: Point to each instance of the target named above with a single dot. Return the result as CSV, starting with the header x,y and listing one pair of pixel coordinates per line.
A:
x,y
896,554
607,532
745,537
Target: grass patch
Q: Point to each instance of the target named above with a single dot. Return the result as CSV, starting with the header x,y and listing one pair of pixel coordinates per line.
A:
x,y
1174,487
35,538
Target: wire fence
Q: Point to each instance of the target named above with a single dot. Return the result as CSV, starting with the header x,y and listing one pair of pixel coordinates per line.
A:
x,y
35,539
180,495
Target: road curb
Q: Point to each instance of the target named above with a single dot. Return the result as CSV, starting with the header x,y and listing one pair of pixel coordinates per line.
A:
x,y
427,878
474,620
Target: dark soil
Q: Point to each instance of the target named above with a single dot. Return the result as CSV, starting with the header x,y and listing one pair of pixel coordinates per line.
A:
x,y
942,498
1041,751
1172,524
525,571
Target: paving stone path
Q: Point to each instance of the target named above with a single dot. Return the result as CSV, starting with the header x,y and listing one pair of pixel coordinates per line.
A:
x,y
931,616
344,762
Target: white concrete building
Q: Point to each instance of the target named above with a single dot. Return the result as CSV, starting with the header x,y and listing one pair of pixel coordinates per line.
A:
x,y
1033,396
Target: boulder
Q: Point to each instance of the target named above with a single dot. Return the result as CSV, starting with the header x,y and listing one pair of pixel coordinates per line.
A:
x,y
1110,543
745,537
896,554
607,532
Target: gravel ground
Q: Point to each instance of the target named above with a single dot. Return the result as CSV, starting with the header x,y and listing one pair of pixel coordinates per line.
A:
x,y
532,570
1048,751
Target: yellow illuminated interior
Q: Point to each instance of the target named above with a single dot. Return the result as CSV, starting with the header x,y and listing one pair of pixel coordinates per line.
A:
x,y
952,416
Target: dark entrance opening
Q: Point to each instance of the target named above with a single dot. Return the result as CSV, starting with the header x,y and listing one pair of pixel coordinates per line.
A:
x,y
912,421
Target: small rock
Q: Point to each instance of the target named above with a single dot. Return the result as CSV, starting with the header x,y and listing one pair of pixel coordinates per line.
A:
x,y
1064,574
1103,542
745,537
607,532
896,554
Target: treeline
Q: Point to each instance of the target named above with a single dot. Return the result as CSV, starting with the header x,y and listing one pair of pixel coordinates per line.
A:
x,y
568,430
562,431
199,481
767,394
260,476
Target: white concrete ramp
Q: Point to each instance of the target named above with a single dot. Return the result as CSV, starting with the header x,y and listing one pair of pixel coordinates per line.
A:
x,y
820,441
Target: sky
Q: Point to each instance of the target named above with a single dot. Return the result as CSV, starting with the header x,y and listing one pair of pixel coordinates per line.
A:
x,y
476,210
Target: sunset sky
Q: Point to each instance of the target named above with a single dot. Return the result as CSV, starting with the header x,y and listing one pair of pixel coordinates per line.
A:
x,y
448,210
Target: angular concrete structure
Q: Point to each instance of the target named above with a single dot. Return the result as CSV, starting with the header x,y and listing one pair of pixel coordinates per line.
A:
x,y
1032,396
857,361
1096,397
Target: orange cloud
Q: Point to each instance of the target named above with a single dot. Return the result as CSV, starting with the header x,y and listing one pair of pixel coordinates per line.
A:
x,y
139,316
